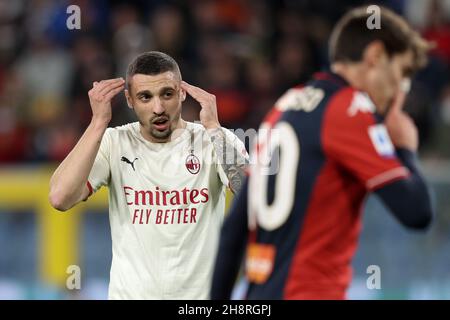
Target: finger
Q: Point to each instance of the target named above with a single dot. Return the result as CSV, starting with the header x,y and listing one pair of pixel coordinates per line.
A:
x,y
195,92
205,99
107,81
111,86
101,89
398,102
193,88
113,92
103,83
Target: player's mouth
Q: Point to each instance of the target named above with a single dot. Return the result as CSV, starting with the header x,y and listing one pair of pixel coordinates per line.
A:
x,y
161,123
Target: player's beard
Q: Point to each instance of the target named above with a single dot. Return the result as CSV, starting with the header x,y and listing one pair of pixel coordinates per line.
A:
x,y
163,135
160,134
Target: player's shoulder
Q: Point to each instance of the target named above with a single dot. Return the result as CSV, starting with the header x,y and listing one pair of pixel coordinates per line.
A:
x,y
314,94
337,94
119,134
349,112
199,128
126,129
195,126
350,103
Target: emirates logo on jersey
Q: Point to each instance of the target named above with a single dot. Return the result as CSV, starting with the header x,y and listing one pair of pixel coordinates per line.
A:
x,y
192,164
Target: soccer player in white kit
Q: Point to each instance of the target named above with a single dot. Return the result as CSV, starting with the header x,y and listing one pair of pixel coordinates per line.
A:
x,y
166,177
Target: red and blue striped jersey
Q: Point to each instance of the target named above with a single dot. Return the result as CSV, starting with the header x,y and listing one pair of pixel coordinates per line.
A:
x,y
327,149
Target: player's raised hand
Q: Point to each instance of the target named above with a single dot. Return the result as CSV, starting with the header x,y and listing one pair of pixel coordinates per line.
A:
x,y
400,125
208,114
100,97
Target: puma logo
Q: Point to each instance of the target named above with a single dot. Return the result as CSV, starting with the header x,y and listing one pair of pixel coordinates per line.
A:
x,y
124,159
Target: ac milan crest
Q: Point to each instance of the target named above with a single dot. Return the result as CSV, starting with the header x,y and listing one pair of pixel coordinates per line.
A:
x,y
192,164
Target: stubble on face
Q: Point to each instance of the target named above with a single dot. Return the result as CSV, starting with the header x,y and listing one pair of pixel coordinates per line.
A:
x,y
157,105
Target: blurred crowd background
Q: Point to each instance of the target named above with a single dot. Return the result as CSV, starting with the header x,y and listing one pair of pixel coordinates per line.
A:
x,y
246,52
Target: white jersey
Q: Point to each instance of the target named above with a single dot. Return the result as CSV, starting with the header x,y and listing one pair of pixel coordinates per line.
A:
x,y
166,205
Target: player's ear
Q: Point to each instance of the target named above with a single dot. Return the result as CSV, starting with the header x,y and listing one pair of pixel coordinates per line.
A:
x,y
182,94
129,101
374,53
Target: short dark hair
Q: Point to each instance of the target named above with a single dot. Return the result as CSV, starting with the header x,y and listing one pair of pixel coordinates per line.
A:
x,y
152,63
351,36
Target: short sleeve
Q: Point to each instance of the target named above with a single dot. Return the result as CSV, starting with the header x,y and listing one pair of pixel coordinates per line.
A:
x,y
352,136
101,171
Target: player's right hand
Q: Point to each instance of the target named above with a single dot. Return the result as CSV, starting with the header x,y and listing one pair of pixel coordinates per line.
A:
x,y
402,130
100,97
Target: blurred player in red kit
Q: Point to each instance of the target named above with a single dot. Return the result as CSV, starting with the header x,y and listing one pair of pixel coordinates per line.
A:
x,y
340,136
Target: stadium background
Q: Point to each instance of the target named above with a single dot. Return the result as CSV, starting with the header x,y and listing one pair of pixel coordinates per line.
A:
x,y
245,52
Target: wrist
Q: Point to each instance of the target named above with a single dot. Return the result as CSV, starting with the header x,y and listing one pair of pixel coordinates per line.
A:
x,y
405,151
408,158
411,147
99,123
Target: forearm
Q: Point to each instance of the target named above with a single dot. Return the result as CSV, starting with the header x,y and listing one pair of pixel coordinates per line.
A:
x,y
232,245
68,183
409,199
233,161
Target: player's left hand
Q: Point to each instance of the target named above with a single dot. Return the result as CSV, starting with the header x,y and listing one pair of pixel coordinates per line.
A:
x,y
400,125
208,114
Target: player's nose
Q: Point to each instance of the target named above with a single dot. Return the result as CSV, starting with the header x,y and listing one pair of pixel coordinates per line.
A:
x,y
158,107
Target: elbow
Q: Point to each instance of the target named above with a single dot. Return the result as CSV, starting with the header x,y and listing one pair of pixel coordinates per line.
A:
x,y
422,221
411,203
58,201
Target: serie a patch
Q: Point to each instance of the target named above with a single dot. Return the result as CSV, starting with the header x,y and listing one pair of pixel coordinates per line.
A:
x,y
381,141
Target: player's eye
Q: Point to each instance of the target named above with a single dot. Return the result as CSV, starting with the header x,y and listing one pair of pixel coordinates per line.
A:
x,y
144,97
168,94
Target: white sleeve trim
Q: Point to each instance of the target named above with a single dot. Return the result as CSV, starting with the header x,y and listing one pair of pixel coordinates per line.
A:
x,y
387,176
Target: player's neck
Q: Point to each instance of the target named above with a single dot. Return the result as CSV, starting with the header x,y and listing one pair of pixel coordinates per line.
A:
x,y
352,73
179,129
356,76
